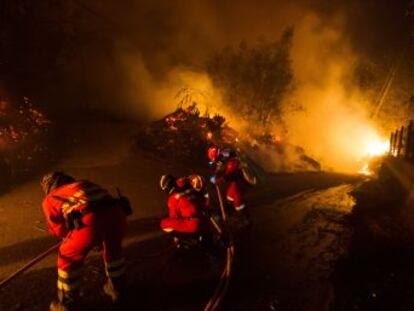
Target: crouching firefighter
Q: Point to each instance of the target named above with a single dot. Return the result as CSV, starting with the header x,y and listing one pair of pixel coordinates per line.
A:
x,y
187,208
85,216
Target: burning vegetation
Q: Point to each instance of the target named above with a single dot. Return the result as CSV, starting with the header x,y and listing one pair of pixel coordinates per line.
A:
x,y
23,133
186,134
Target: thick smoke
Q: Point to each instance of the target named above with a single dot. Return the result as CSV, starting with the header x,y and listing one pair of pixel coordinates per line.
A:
x,y
333,123
155,37
158,47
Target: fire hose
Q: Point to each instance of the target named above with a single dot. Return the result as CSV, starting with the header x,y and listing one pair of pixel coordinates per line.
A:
x,y
221,289
29,264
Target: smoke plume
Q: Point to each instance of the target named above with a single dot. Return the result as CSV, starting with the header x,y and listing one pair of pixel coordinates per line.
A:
x,y
158,47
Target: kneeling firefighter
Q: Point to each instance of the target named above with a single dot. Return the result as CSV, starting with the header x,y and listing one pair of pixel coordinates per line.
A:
x,y
85,216
187,206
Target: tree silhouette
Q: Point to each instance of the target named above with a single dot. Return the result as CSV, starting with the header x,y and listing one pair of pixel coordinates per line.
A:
x,y
254,79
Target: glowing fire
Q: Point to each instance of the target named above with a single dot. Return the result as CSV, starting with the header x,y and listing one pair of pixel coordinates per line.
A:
x,y
365,170
374,149
377,148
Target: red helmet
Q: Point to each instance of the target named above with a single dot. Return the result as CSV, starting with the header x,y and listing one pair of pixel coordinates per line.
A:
x,y
213,153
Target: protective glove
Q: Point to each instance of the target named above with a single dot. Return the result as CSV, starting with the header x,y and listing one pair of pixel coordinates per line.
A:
x,y
213,179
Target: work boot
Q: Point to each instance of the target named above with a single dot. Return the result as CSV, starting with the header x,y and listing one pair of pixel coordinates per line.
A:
x,y
114,288
65,302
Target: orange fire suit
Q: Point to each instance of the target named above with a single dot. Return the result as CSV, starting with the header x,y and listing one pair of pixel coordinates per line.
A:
x,y
237,186
102,223
185,211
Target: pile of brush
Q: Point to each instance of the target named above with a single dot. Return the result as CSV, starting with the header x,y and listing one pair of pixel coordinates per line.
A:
x,y
185,134
23,132
276,155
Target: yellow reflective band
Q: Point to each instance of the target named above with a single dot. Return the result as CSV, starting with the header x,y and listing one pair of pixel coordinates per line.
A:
x,y
67,287
83,196
69,209
69,274
115,263
75,202
90,194
75,197
117,273
239,208
230,199
168,229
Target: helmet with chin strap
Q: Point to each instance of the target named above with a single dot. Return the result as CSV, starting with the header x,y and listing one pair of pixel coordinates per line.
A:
x,y
167,183
197,182
54,180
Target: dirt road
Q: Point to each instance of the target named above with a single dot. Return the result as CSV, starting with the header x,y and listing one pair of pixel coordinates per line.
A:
x,y
286,261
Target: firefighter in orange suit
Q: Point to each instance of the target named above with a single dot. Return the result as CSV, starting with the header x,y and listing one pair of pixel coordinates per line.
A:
x,y
85,216
187,208
227,168
195,185
184,206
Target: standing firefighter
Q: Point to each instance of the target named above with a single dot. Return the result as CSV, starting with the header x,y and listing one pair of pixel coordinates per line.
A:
x,y
85,216
227,167
187,206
